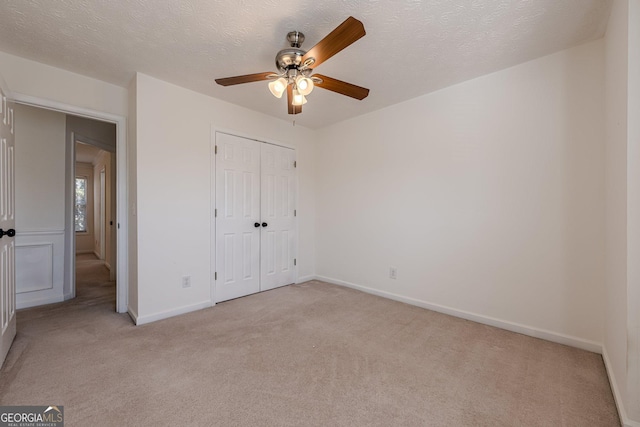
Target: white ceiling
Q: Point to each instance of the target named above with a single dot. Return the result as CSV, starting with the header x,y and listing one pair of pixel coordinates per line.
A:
x,y
412,47
86,153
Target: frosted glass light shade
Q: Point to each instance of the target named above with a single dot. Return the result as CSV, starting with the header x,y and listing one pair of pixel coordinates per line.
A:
x,y
298,98
304,85
277,87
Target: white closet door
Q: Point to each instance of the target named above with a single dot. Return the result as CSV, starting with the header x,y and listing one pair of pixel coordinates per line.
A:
x,y
278,204
238,210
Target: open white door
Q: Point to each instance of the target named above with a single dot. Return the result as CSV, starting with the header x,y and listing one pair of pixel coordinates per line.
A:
x,y
103,215
7,228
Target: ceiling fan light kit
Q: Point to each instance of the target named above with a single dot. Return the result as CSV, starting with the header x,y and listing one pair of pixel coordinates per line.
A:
x,y
295,67
304,84
298,98
277,87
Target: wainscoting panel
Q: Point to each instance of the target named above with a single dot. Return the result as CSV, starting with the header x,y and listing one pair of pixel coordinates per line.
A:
x,y
34,267
39,267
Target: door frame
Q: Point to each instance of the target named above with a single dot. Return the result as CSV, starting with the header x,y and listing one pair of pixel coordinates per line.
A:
x,y
103,213
122,259
212,188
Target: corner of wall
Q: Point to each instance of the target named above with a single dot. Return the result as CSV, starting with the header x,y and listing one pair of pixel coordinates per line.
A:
x,y
615,389
133,195
633,210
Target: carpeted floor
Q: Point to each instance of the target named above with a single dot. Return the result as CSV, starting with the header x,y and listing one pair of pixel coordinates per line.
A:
x,y
312,354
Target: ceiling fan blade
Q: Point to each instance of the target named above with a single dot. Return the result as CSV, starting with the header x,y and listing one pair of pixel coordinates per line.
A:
x,y
345,34
293,109
247,78
343,88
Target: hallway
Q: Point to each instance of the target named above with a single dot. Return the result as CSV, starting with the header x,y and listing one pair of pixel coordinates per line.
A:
x,y
92,283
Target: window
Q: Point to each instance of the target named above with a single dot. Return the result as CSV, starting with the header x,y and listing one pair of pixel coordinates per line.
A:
x,y
81,204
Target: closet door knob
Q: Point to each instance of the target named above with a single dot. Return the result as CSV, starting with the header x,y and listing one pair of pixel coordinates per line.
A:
x,y
256,225
264,224
10,232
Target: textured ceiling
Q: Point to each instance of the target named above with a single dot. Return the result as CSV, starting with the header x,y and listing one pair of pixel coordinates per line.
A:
x,y
412,47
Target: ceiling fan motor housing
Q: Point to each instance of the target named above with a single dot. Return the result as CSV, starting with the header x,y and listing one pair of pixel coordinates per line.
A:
x,y
288,58
291,57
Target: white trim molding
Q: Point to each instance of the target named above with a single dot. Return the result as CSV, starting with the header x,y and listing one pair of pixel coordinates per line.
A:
x,y
39,232
133,314
617,397
306,279
141,320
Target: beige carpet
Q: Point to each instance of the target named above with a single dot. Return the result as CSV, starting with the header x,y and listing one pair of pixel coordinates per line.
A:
x,y
304,355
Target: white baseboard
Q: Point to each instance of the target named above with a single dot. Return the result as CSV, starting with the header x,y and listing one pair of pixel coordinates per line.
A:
x,y
305,278
133,314
498,323
626,422
141,320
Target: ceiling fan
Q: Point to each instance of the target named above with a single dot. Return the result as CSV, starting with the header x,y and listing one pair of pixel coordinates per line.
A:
x,y
295,67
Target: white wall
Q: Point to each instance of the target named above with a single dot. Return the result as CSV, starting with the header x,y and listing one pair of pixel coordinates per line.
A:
x,y
84,240
486,196
32,78
173,135
40,187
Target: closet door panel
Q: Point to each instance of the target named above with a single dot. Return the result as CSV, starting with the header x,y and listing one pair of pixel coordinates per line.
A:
x,y
238,209
277,207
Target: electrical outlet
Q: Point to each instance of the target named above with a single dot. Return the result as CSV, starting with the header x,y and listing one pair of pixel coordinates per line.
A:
x,y
393,273
186,281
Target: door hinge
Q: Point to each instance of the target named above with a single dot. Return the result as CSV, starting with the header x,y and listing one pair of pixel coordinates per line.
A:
x,y
295,164
295,261
295,212
215,276
215,150
215,213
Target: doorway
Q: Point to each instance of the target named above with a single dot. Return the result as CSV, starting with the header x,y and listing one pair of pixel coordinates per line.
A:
x,y
120,220
94,213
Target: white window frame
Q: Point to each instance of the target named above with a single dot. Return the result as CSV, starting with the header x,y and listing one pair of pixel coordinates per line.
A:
x,y
86,205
